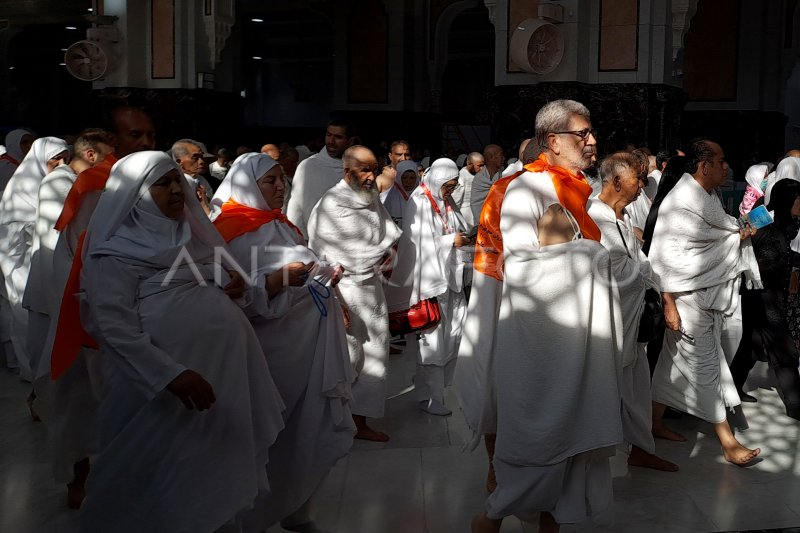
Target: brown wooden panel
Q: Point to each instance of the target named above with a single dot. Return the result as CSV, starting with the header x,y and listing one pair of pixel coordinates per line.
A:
x,y
710,50
368,53
163,39
619,35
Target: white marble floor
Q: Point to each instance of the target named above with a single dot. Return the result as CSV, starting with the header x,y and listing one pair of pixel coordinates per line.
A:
x,y
421,481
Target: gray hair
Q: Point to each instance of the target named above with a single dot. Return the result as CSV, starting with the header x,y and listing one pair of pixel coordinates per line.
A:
x,y
555,116
616,164
179,147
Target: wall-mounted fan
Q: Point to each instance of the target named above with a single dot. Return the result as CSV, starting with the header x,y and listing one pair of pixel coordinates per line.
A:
x,y
537,46
87,60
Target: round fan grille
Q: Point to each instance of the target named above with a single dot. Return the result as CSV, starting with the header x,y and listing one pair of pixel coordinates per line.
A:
x,y
86,60
537,46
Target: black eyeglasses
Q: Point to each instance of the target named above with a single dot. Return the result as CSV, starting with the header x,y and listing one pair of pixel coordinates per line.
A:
x,y
583,134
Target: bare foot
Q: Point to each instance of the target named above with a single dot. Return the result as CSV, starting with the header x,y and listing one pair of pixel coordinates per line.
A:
x,y
639,457
661,431
34,415
547,523
76,490
364,432
482,524
739,455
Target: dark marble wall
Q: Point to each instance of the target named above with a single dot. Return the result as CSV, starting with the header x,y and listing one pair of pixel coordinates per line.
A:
x,y
641,114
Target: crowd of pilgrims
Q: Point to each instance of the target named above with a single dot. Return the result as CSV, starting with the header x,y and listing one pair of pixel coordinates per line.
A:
x,y
206,334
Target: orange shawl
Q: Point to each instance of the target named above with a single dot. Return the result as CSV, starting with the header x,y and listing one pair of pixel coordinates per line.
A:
x,y
573,192
237,219
70,335
91,179
489,243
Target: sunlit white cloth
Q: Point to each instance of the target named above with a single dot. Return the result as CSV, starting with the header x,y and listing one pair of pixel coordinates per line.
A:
x,y
17,219
632,273
698,256
305,348
313,177
462,196
357,234
13,150
558,358
163,467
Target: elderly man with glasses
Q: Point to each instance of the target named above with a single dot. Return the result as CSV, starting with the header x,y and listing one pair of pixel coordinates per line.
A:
x,y
553,342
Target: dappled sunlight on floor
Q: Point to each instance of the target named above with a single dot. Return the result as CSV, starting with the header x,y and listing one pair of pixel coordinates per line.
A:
x,y
421,481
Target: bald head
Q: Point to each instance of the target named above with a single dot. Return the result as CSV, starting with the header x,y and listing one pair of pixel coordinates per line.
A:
x,y
793,153
475,162
524,144
360,170
271,150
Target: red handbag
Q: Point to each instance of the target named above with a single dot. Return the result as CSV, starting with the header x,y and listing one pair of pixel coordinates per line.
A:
x,y
424,315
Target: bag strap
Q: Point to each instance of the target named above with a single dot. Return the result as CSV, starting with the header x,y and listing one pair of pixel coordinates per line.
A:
x,y
436,207
625,244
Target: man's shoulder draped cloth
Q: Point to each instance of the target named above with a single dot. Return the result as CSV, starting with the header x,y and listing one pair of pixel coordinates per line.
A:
x,y
489,242
91,179
573,192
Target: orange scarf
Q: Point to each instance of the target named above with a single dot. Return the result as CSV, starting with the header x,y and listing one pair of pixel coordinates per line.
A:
x,y
91,179
573,192
489,243
70,335
236,219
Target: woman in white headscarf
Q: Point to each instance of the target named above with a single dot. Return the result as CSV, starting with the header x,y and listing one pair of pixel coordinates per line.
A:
x,y
299,322
17,219
189,408
18,144
431,265
405,181
757,182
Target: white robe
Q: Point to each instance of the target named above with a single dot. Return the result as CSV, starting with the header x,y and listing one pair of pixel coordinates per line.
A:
x,y
17,218
557,366
697,255
345,230
165,468
308,359
313,177
462,196
632,273
42,297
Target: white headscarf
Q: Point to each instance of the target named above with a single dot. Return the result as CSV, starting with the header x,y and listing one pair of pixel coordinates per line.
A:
x,y
788,168
394,200
21,195
240,183
441,171
13,141
461,159
427,264
755,176
128,224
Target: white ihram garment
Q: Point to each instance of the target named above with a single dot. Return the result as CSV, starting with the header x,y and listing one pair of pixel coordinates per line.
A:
x,y
632,272
312,179
557,366
698,256
357,233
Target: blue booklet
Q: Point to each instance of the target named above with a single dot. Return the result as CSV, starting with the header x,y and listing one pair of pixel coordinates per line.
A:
x,y
758,217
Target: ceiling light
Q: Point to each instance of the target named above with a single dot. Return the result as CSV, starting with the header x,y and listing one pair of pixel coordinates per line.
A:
x,y
11,68
63,64
72,28
257,20
90,10
256,57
